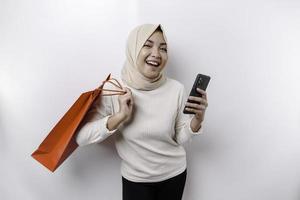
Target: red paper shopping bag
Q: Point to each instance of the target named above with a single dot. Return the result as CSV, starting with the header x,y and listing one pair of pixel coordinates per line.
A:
x,y
60,142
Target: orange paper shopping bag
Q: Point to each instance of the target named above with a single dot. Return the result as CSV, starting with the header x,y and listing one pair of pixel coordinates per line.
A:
x,y
60,142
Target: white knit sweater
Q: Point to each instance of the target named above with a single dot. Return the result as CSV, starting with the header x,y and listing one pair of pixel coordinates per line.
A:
x,y
150,145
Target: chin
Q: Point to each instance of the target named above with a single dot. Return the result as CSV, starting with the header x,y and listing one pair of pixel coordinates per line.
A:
x,y
152,76
149,73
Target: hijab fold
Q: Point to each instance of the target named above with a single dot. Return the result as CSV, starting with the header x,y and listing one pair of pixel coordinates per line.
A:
x,y
130,73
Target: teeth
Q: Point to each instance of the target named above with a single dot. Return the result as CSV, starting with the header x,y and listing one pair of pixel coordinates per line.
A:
x,y
152,63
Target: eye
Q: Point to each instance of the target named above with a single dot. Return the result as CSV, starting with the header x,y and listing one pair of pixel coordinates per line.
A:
x,y
164,49
147,45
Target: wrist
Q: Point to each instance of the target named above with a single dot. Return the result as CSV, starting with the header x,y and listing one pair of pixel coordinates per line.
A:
x,y
121,116
196,124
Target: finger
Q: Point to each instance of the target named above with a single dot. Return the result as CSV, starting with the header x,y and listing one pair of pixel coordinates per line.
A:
x,y
128,92
126,89
196,106
198,99
204,94
125,92
199,90
204,102
194,110
126,97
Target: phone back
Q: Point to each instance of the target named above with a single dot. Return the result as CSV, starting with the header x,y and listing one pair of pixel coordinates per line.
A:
x,y
201,82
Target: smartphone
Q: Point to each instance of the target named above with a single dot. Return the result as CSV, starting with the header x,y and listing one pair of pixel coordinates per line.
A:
x,y
201,82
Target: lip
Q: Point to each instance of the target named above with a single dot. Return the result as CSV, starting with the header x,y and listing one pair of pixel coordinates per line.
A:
x,y
153,66
153,61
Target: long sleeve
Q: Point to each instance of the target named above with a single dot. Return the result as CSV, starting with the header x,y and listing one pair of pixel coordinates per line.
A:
x,y
94,127
183,131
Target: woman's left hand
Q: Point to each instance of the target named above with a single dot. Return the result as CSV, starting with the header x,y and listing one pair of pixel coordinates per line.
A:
x,y
200,107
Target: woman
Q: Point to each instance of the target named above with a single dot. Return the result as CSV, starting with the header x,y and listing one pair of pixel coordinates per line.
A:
x,y
147,122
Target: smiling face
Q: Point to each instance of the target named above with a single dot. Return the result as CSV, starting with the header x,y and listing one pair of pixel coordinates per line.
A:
x,y
153,56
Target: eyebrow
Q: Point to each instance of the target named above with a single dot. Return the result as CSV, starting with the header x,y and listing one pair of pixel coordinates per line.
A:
x,y
163,43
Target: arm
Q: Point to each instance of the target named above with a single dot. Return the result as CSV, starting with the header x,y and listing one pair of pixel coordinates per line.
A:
x,y
185,126
99,122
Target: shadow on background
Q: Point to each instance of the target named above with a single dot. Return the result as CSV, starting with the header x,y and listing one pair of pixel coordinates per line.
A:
x,y
98,157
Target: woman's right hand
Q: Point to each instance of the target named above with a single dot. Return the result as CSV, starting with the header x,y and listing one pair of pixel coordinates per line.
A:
x,y
126,105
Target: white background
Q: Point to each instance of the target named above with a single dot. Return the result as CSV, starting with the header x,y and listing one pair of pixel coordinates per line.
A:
x,y
52,51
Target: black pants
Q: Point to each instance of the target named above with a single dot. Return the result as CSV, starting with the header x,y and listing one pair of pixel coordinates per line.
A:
x,y
168,189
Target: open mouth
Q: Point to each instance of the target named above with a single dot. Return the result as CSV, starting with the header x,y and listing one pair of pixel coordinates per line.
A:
x,y
152,63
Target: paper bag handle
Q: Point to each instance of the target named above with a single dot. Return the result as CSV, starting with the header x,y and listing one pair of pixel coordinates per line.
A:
x,y
118,85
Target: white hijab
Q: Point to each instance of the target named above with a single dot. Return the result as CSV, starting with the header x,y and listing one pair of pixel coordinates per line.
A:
x,y
130,73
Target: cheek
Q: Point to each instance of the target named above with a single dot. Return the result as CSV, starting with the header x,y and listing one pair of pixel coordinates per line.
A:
x,y
143,54
141,58
165,58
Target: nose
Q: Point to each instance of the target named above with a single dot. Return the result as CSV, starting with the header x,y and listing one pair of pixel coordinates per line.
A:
x,y
155,53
